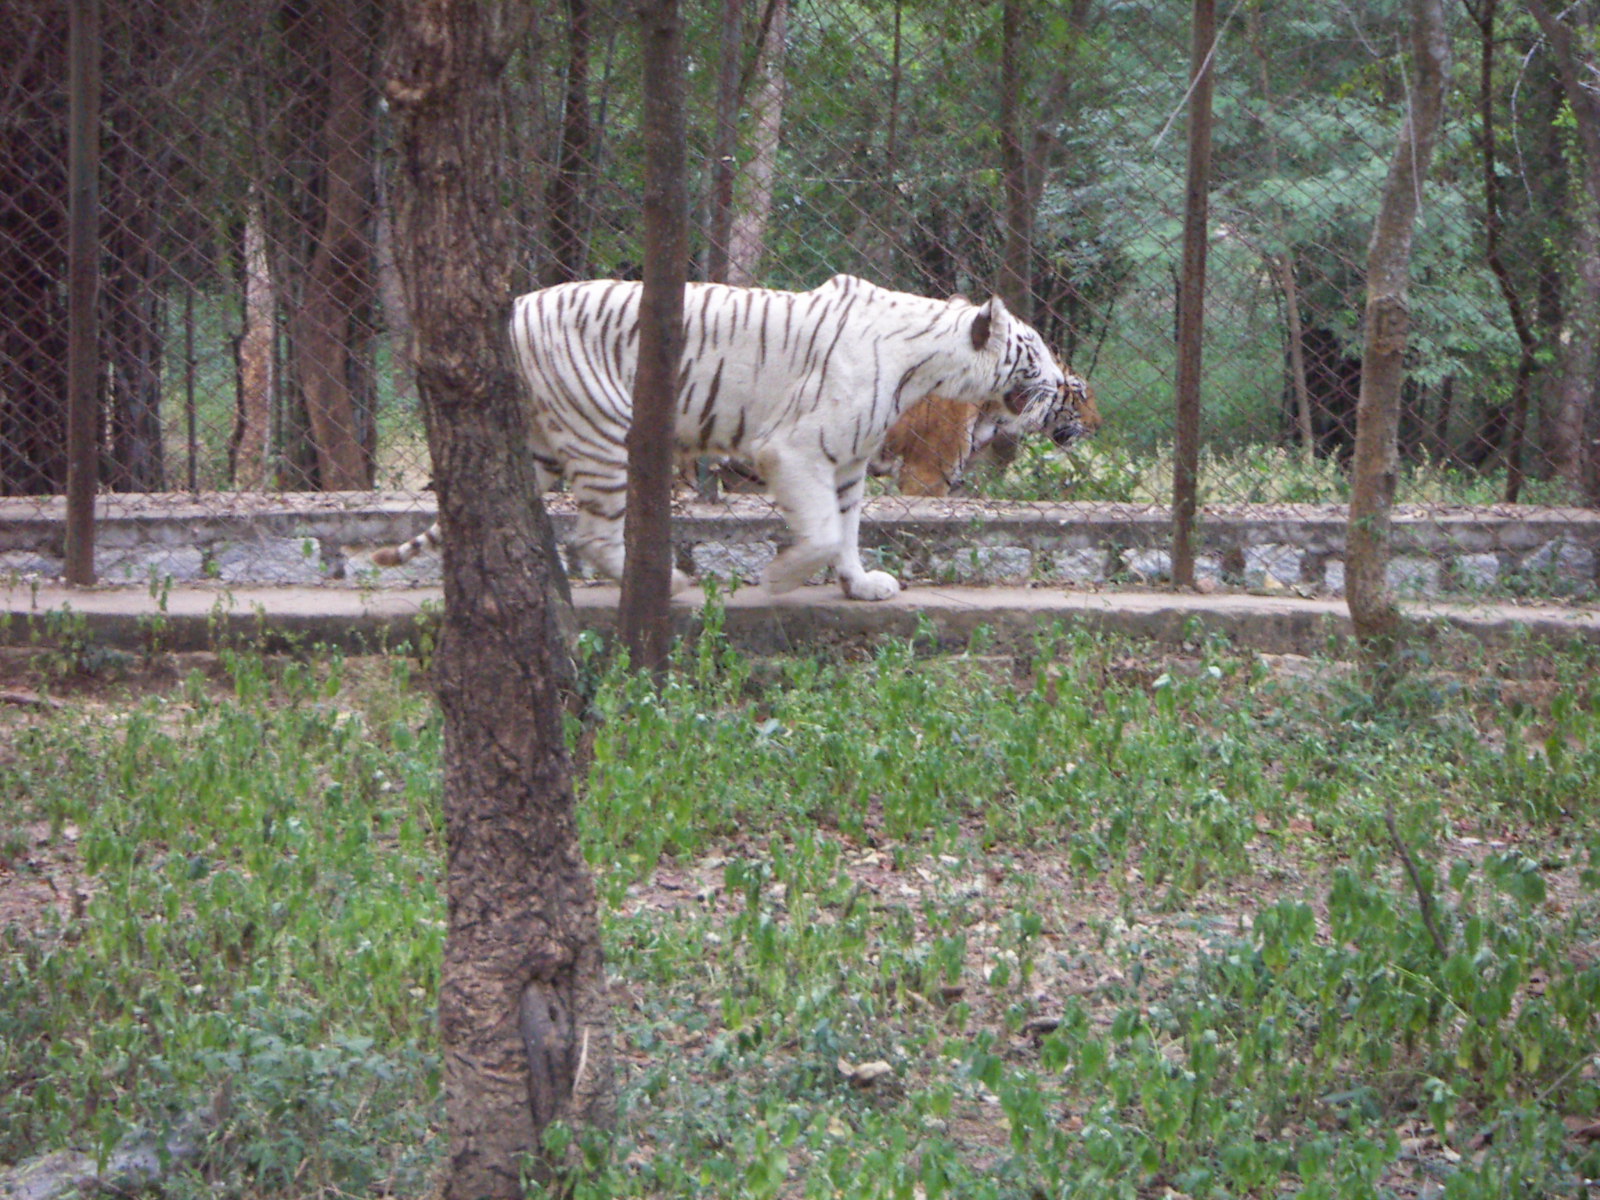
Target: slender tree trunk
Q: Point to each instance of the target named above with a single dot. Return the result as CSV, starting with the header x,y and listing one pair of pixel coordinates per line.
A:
x,y
725,148
1283,264
1016,259
1375,467
1521,389
1024,162
338,282
133,290
1192,293
1439,427
1282,260
250,450
747,240
883,248
522,1006
83,288
567,193
392,296
1579,362
642,616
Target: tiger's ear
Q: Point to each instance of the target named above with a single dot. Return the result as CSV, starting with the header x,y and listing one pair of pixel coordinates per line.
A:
x,y
991,314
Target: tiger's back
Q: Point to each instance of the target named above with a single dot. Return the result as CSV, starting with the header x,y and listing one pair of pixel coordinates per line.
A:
x,y
757,364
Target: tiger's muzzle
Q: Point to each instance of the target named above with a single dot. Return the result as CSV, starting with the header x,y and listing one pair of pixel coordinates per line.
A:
x,y
1077,416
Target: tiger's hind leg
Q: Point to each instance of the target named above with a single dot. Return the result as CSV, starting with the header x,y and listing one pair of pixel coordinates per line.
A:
x,y
601,493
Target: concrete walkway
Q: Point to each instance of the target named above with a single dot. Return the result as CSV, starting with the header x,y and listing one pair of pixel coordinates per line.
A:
x,y
201,617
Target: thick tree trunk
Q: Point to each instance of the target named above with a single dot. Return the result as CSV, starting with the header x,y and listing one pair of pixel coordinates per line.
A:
x,y
1375,467
747,239
1575,66
1575,62
642,616
522,1006
33,251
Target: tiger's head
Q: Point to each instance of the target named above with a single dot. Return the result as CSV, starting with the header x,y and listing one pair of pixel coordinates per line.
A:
x,y
1072,416
1035,394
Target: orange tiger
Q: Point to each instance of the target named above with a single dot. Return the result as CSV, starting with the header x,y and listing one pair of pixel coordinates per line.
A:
x,y
936,441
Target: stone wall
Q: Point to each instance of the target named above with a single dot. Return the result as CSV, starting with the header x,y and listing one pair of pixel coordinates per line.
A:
x,y
326,538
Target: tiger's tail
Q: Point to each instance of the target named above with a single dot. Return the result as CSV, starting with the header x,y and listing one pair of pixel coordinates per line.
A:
x,y
393,556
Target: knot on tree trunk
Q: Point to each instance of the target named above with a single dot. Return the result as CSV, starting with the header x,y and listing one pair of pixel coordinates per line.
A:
x,y
553,1053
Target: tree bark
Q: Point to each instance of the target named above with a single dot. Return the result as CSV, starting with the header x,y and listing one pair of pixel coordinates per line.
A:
x,y
747,239
1016,259
1493,224
1283,265
136,175
33,251
567,195
338,278
1281,259
83,290
1024,161
522,1007
1582,464
642,616
250,450
1375,467
725,148
1578,362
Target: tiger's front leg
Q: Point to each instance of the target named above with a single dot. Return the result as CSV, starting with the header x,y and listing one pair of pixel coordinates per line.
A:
x,y
857,582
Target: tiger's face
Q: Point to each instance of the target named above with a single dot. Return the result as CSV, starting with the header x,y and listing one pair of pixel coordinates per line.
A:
x,y
1031,378
1072,415
1037,396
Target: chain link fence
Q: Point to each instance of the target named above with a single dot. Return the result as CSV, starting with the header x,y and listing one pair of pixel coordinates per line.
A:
x,y
253,342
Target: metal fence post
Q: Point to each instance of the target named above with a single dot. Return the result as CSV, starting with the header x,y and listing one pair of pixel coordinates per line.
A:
x,y
1191,296
83,286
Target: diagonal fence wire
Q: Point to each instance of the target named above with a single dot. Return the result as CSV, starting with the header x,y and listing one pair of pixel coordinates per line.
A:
x,y
254,335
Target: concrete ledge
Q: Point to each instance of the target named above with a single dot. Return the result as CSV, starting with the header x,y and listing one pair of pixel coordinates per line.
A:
x,y
325,538
818,618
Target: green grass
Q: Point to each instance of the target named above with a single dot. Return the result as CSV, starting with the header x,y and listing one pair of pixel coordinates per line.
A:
x,y
1114,923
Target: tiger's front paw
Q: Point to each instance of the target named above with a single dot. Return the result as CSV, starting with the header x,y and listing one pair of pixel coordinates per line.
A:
x,y
871,585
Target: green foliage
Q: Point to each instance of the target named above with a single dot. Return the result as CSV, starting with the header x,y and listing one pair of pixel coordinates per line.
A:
x,y
1109,468
1106,925
262,929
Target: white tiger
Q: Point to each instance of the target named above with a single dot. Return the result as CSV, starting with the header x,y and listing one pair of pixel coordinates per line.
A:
x,y
802,385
